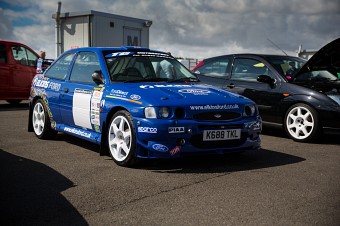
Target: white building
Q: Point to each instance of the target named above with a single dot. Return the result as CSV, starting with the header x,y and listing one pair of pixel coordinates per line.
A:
x,y
93,28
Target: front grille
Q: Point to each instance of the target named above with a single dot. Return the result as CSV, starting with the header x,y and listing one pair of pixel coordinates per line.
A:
x,y
220,126
197,141
216,116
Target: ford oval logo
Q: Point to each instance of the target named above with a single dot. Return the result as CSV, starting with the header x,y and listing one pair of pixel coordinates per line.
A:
x,y
135,97
217,116
160,147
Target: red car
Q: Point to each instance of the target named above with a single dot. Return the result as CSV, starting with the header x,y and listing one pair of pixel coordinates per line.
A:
x,y
18,65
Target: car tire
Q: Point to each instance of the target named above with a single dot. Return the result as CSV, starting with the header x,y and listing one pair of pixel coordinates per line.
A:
x,y
302,123
121,139
41,121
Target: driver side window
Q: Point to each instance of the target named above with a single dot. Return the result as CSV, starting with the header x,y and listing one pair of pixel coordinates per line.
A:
x,y
248,70
24,56
84,66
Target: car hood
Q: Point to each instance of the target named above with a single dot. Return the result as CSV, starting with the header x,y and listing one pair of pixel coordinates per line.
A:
x,y
327,59
176,94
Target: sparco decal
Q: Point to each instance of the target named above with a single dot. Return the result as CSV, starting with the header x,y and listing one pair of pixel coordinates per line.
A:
x,y
147,130
176,129
160,147
194,91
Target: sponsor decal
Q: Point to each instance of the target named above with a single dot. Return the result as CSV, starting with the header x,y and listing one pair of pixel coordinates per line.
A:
x,y
147,130
97,128
135,97
119,54
41,83
46,84
176,129
54,86
147,54
195,91
83,91
214,107
122,98
95,107
160,86
119,93
77,132
97,94
160,147
102,103
175,150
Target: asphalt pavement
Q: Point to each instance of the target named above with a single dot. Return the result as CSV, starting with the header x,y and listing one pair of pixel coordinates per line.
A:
x,y
66,182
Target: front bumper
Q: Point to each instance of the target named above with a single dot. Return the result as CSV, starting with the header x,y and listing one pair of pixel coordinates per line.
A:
x,y
330,118
158,138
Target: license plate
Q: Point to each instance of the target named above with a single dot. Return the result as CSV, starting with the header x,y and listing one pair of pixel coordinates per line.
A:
x,y
227,134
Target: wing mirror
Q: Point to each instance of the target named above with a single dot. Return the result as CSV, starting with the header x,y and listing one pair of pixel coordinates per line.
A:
x,y
267,79
97,77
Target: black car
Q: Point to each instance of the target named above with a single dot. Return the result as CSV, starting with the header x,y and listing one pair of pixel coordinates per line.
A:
x,y
303,97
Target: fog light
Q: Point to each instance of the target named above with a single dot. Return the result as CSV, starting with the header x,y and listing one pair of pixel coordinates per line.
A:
x,y
164,112
180,141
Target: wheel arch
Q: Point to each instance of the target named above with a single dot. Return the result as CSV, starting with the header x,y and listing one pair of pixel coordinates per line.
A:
x,y
311,135
299,99
30,112
103,147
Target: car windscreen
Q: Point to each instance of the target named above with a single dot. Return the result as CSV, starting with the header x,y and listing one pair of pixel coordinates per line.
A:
x,y
285,65
148,66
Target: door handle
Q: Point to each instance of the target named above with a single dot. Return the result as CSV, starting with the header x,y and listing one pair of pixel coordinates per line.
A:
x,y
65,90
231,86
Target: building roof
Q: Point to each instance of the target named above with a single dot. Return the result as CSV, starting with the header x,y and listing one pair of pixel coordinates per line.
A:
x,y
96,13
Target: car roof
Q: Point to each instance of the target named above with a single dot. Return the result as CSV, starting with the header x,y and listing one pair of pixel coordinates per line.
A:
x,y
117,49
250,55
19,44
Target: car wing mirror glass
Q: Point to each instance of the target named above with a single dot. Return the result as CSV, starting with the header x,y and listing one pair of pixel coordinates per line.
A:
x,y
97,77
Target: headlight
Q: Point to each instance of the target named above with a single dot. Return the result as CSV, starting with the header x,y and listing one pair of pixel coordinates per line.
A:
x,y
249,110
164,112
150,112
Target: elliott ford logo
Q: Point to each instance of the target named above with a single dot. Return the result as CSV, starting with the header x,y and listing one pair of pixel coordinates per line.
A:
x,y
194,91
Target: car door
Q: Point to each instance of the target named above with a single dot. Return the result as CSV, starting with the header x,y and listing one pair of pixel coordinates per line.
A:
x,y
4,72
243,80
17,69
214,71
22,72
79,102
55,82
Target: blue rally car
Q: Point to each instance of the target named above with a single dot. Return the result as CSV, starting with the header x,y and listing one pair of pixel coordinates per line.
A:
x,y
139,103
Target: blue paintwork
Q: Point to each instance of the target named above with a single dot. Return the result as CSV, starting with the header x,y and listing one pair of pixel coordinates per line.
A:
x,y
152,135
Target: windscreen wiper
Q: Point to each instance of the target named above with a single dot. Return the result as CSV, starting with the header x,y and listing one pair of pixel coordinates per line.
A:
x,y
148,80
185,80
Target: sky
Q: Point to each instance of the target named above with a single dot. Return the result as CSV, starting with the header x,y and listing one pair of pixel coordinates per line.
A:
x,y
190,28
